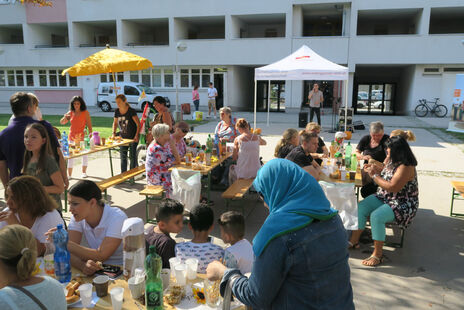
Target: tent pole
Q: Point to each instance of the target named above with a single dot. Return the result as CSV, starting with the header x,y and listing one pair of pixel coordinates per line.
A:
x,y
268,100
346,103
254,115
114,83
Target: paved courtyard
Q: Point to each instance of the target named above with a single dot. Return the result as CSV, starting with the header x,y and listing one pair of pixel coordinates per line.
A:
x,y
428,273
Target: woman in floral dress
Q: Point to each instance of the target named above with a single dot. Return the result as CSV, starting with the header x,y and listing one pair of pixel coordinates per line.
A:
x,y
160,158
397,197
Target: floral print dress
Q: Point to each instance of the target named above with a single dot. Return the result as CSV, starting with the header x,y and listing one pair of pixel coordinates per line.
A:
x,y
159,160
181,147
403,203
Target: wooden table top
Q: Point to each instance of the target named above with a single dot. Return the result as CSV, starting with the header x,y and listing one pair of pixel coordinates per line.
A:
x,y
99,148
357,181
204,168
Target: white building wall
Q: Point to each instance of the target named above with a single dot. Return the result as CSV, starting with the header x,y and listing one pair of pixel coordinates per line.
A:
x,y
412,51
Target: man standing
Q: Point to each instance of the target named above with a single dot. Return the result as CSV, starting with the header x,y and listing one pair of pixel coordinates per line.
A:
x,y
301,155
212,94
316,99
12,139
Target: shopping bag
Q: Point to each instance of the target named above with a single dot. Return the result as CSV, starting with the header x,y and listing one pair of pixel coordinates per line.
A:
x,y
342,197
186,187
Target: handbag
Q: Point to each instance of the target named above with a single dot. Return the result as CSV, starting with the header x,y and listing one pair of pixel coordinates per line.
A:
x,y
29,294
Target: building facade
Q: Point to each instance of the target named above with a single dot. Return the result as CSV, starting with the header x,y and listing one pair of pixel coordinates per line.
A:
x,y
397,51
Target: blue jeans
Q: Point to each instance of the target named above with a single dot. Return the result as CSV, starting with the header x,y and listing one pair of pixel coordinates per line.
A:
x,y
380,213
197,104
306,269
132,148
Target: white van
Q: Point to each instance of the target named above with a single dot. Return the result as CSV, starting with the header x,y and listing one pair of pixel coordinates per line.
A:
x,y
106,96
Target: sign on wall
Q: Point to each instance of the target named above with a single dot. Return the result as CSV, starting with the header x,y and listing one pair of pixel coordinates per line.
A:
x,y
457,110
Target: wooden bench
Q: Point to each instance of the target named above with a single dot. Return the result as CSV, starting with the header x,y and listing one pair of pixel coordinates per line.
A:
x,y
237,190
118,179
458,194
151,192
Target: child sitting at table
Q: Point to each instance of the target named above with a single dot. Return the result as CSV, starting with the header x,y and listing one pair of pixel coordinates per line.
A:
x,y
240,254
201,224
170,220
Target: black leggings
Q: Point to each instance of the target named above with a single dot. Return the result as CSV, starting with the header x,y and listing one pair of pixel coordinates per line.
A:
x,y
318,114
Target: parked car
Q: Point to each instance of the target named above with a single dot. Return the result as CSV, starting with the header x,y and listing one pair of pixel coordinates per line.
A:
x,y
106,96
377,104
362,100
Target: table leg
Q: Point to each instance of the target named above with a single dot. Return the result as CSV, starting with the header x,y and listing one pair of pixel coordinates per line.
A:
x,y
111,163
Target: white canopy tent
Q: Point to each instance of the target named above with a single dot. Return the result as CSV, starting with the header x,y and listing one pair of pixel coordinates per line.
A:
x,y
304,64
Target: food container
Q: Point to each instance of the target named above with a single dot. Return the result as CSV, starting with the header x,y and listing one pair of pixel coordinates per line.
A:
x,y
133,245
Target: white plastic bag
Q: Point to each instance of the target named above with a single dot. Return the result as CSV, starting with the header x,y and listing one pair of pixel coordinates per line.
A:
x,y
186,187
343,198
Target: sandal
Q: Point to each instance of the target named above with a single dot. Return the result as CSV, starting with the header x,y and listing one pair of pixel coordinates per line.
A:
x,y
378,261
354,246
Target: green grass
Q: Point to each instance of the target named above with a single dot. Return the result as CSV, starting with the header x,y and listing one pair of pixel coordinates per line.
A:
x,y
101,124
457,135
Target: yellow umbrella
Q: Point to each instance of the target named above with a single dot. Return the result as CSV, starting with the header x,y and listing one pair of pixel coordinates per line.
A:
x,y
109,60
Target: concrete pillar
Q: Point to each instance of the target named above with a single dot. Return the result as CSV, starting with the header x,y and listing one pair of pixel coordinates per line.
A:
x,y
229,27
119,33
424,21
346,20
297,22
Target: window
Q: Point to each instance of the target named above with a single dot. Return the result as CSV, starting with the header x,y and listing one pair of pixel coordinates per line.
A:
x,y
134,76
205,77
119,77
52,75
61,79
195,77
156,77
11,78
103,78
2,78
131,91
29,78
146,77
19,78
184,78
168,78
43,77
73,81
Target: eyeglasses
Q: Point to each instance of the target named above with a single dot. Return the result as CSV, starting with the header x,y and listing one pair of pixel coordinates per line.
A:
x,y
185,130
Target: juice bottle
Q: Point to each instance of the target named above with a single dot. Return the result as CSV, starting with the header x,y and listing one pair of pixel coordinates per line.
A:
x,y
49,262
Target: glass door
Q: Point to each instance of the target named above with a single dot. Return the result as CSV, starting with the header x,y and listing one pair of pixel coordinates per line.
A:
x,y
277,98
375,98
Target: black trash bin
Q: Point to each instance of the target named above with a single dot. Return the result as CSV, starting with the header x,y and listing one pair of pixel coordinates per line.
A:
x,y
302,119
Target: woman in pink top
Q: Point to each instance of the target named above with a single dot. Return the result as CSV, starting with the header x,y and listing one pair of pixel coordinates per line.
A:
x,y
246,153
79,117
196,97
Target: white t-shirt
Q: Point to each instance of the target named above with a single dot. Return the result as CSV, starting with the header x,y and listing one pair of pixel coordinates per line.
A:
x,y
50,293
240,256
204,252
212,93
110,226
42,224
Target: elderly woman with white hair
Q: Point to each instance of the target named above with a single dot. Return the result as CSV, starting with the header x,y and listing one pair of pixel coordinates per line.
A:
x,y
372,146
160,158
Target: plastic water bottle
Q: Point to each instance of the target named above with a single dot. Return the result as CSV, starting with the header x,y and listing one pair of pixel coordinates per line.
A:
x,y
354,162
153,284
348,155
216,143
86,140
49,261
64,144
62,257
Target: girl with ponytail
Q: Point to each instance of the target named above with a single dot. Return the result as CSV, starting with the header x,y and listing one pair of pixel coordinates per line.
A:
x,y
19,289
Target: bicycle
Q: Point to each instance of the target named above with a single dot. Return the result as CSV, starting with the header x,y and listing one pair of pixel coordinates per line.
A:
x,y
422,109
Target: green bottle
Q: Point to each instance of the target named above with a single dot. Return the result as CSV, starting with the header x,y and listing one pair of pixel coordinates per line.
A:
x,y
354,162
153,282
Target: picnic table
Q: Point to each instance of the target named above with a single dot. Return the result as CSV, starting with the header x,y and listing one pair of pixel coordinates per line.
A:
x,y
203,169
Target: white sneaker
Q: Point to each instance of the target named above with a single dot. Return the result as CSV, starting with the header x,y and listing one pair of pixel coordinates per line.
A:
x,y
84,175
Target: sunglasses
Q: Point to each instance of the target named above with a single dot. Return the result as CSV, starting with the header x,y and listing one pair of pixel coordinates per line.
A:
x,y
185,130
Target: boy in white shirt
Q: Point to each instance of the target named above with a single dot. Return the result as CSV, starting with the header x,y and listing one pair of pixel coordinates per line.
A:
x,y
212,94
201,224
240,254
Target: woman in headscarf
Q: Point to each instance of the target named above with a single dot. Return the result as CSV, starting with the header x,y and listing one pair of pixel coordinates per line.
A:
x,y
301,260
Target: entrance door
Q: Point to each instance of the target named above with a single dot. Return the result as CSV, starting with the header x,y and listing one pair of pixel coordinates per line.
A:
x,y
327,89
277,98
375,98
219,84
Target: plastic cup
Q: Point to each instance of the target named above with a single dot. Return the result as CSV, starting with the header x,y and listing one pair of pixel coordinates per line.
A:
x,y
173,262
352,175
166,277
181,271
343,175
117,294
85,291
136,286
192,266
324,161
101,285
212,293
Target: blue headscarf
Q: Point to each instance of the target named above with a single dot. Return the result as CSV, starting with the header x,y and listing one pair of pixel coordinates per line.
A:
x,y
294,198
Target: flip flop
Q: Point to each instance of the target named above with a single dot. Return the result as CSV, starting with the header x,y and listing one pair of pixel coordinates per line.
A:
x,y
352,246
379,261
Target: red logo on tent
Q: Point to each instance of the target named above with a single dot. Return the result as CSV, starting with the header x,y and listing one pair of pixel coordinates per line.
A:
x,y
302,57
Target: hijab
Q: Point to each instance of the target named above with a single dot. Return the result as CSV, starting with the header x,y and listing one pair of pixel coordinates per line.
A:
x,y
294,198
